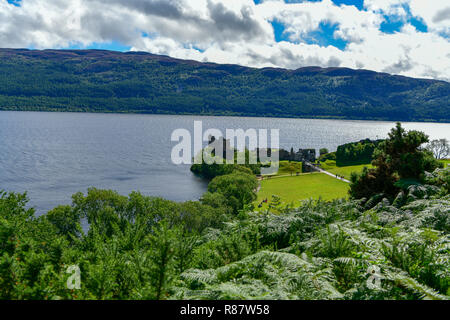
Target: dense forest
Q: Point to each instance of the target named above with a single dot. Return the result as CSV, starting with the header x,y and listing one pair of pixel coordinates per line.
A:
x,y
389,241
105,81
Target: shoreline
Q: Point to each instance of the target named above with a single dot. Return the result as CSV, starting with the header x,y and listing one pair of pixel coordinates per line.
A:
x,y
234,115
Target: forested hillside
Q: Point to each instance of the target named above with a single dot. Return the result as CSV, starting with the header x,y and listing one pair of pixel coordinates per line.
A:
x,y
105,81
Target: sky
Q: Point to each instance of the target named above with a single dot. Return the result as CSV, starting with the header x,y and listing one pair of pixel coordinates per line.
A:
x,y
407,37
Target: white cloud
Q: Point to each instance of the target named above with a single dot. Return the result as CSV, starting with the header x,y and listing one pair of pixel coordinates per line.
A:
x,y
436,14
238,31
387,6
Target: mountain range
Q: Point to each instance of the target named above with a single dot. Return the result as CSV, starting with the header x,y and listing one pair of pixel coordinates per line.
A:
x,y
138,82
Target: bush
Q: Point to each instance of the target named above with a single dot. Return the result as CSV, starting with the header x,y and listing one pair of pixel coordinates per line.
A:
x,y
238,188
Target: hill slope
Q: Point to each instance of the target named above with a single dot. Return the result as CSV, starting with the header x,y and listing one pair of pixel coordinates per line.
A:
x,y
105,81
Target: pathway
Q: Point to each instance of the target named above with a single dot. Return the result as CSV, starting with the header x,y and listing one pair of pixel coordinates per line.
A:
x,y
326,172
308,164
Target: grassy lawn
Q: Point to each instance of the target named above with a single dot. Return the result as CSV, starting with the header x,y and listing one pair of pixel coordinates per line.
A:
x,y
284,168
330,166
296,188
288,168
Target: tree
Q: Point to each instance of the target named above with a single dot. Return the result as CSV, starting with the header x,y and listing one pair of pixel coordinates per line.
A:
x,y
397,158
238,188
216,201
323,151
66,220
440,148
163,248
291,168
356,153
195,216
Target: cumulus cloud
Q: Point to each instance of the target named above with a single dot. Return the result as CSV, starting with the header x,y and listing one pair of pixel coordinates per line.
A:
x,y
242,32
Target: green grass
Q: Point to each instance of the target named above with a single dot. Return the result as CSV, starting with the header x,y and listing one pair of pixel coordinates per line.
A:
x,y
446,163
306,186
283,169
330,166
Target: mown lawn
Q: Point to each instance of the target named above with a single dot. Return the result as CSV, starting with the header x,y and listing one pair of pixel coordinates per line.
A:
x,y
297,188
288,168
330,166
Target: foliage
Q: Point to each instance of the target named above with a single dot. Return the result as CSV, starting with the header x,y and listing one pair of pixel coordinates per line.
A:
x,y
356,153
289,167
138,247
397,158
238,189
222,167
328,157
324,250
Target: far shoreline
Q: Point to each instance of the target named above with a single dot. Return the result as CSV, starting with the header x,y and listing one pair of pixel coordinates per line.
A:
x,y
233,115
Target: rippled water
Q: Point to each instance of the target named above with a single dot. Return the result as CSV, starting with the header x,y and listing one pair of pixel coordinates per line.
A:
x,y
53,155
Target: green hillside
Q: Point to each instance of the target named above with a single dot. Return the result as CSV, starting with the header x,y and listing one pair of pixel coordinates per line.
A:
x,y
106,81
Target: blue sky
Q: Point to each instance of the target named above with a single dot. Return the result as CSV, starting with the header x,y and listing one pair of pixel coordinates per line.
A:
x,y
322,36
409,37
14,2
110,45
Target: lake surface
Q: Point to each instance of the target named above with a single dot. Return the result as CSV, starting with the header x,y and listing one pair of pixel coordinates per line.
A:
x,y
54,155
